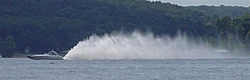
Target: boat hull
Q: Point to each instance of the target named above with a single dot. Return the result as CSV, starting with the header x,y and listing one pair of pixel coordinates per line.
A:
x,y
45,57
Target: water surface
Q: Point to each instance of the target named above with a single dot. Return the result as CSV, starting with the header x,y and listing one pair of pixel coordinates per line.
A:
x,y
133,69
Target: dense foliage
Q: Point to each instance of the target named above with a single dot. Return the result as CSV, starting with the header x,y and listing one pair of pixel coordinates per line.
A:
x,y
234,33
215,12
231,23
43,25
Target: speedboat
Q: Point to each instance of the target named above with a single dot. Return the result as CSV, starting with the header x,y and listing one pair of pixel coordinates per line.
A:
x,y
51,55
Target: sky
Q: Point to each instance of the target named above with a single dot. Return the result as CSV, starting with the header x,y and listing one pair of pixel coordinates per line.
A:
x,y
244,3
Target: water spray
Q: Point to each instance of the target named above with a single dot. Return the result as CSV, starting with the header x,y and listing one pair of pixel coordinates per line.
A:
x,y
139,45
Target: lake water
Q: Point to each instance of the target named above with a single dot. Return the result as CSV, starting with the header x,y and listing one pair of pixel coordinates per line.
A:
x,y
138,69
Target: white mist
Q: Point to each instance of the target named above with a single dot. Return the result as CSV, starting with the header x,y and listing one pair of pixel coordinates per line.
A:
x,y
139,46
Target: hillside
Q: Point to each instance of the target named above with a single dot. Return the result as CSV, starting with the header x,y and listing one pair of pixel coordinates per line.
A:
x,y
221,11
60,24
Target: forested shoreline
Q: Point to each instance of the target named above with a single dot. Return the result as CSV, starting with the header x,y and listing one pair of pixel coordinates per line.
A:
x,y
43,25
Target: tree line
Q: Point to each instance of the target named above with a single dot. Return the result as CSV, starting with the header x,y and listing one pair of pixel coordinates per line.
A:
x,y
43,25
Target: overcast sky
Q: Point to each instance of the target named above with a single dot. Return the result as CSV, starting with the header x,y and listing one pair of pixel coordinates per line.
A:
x,y
245,3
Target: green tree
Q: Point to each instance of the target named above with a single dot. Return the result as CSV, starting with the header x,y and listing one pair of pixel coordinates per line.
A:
x,y
1,45
9,46
224,27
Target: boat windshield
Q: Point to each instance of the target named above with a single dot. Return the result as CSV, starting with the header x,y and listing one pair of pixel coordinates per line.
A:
x,y
52,53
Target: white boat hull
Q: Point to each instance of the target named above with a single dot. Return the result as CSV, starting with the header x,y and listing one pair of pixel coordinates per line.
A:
x,y
45,57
